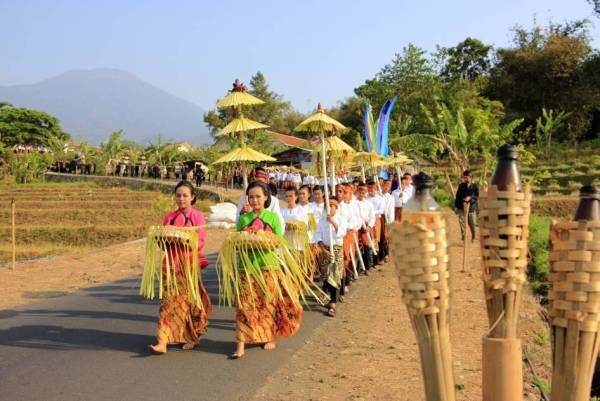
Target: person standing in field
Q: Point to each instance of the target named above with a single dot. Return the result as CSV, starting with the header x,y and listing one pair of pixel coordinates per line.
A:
x,y
180,321
467,195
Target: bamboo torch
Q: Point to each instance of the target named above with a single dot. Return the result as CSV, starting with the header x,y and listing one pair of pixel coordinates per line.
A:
x,y
575,299
420,255
503,238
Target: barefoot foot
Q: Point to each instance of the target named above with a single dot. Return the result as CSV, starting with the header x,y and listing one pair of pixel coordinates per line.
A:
x,y
269,346
188,346
239,352
158,348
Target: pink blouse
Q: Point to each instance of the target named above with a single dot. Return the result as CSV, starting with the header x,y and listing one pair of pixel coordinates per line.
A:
x,y
191,218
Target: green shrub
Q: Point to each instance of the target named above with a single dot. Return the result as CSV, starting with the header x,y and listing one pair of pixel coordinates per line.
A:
x,y
539,265
443,198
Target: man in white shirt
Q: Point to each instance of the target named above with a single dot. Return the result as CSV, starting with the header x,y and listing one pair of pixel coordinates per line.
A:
x,y
378,204
388,218
402,195
244,207
367,225
332,227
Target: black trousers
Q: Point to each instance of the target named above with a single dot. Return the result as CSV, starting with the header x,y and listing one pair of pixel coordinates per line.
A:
x,y
367,255
332,291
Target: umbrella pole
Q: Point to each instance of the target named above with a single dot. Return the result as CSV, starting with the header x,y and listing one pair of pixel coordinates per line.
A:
x,y
324,167
245,175
332,162
362,172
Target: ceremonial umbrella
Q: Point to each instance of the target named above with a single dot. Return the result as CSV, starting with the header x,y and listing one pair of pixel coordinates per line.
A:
x,y
237,97
371,159
244,154
320,123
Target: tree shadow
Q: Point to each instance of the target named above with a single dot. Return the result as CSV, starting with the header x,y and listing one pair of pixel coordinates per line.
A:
x,y
59,338
78,313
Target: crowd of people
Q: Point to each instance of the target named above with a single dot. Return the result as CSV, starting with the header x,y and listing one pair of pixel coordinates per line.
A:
x,y
345,238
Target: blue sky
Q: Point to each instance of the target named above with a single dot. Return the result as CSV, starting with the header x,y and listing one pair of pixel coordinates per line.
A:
x,y
309,51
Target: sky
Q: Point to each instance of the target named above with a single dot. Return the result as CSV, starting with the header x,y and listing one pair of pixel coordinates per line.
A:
x,y
309,51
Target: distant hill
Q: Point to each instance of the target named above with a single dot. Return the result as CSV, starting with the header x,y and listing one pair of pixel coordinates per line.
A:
x,y
94,103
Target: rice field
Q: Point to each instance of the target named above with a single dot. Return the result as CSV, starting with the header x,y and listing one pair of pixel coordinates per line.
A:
x,y
53,219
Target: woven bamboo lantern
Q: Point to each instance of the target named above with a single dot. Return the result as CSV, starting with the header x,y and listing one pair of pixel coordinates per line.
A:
x,y
504,223
420,254
575,299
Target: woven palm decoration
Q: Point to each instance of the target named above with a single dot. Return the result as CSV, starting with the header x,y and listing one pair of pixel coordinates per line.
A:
x,y
296,232
574,307
420,256
504,222
171,251
235,261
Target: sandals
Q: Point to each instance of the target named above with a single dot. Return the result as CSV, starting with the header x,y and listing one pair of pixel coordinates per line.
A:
x,y
331,312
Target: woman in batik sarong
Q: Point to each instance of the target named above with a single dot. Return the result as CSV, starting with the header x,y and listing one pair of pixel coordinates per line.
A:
x,y
180,321
261,318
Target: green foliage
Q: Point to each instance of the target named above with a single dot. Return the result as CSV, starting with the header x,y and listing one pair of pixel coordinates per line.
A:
x,y
552,68
545,125
443,198
29,167
21,126
275,112
162,205
539,265
467,60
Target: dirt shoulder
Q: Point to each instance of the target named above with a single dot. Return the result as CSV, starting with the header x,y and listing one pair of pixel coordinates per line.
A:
x,y
368,351
67,273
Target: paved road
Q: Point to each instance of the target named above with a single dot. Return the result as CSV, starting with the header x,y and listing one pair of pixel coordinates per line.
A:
x,y
91,345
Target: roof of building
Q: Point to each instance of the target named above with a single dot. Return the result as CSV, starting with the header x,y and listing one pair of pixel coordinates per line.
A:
x,y
291,141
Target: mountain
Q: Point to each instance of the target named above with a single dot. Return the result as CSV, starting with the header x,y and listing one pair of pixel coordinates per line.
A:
x,y
94,103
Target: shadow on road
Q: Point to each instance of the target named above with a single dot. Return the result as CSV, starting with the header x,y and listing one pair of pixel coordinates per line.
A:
x,y
60,338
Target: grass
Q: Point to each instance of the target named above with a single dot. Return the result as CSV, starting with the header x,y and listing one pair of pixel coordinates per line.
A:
x,y
539,265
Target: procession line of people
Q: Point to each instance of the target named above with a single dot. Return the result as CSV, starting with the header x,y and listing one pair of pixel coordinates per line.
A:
x,y
339,241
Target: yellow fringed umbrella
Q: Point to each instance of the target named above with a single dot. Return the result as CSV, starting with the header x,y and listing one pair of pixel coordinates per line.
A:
x,y
370,159
398,161
244,154
239,125
320,123
237,97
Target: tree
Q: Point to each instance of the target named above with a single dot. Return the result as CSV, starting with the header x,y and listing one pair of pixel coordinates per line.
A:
x,y
546,125
275,112
459,136
21,126
467,60
412,78
545,69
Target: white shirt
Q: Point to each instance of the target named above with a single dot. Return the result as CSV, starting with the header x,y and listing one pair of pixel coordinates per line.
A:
x,y
354,220
323,231
296,214
377,202
388,205
273,207
402,196
367,213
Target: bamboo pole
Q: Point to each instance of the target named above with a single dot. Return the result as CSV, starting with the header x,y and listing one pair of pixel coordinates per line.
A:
x,y
324,167
466,206
14,234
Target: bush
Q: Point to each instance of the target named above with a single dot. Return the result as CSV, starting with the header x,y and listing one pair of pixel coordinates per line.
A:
x,y
443,198
539,265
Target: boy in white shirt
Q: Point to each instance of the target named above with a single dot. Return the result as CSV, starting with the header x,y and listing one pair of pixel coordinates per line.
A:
x,y
402,195
367,225
377,202
333,264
